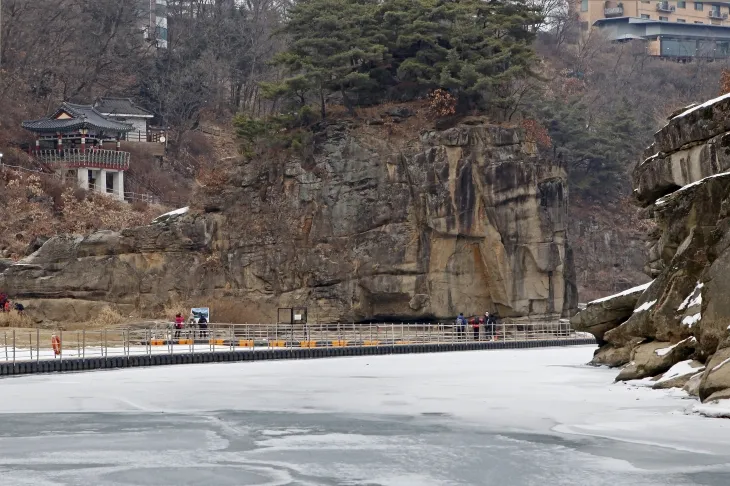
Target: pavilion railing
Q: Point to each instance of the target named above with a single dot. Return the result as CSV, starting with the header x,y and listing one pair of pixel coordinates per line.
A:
x,y
90,157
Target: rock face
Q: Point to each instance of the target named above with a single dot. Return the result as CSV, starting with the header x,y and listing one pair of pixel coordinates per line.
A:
x,y
685,189
351,226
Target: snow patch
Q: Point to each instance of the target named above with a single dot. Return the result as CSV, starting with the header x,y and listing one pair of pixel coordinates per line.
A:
x,y
689,301
706,104
690,321
714,409
720,365
682,368
633,290
645,306
665,351
656,155
666,198
172,214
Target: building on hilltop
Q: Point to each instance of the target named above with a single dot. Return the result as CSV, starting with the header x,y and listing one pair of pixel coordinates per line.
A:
x,y
78,142
678,29
156,30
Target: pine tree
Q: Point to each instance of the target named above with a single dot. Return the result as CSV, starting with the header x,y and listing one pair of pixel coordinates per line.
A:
x,y
472,48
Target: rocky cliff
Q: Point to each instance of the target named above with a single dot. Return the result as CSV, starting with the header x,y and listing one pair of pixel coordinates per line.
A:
x,y
680,319
353,226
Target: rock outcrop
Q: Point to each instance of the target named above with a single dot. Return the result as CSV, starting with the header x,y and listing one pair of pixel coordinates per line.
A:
x,y
352,226
684,186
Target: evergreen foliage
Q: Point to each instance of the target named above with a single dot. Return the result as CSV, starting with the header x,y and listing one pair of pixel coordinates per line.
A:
x,y
368,51
595,149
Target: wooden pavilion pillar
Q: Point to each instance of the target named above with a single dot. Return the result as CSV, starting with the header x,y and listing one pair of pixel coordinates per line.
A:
x,y
83,140
60,141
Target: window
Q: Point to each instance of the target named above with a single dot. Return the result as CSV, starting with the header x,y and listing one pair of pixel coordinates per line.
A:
x,y
681,21
681,4
645,16
666,19
698,6
697,22
583,5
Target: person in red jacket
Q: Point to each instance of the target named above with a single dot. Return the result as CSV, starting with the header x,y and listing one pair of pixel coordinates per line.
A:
x,y
475,327
178,325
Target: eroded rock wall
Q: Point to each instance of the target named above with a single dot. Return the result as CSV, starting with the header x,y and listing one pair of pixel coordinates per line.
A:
x,y
462,220
683,314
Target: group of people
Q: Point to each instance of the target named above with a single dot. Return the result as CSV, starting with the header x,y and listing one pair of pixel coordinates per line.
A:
x,y
201,323
487,321
7,306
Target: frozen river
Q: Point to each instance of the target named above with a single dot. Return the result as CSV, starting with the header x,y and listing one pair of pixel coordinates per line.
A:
x,y
513,417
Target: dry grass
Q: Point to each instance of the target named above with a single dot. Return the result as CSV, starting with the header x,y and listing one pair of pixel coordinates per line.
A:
x,y
15,319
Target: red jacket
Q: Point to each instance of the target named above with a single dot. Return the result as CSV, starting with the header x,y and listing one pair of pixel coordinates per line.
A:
x,y
179,322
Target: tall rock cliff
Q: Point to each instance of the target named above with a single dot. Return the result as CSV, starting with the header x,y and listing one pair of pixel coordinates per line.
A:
x,y
353,226
682,316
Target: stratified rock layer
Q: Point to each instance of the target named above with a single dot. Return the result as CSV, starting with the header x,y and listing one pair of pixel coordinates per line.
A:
x,y
684,313
463,220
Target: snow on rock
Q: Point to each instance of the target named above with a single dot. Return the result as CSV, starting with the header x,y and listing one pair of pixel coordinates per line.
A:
x,y
670,196
723,363
682,368
706,104
690,321
633,290
667,350
163,218
689,301
645,306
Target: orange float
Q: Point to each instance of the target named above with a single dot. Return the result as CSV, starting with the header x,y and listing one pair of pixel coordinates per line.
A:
x,y
56,343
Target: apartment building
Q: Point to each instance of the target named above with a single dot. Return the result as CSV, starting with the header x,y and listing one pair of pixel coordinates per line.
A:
x,y
671,28
156,30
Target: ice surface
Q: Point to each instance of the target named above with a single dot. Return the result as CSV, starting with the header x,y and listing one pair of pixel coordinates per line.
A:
x,y
645,306
633,290
509,417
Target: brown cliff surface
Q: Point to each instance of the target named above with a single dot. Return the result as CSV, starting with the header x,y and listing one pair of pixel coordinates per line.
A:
x,y
466,219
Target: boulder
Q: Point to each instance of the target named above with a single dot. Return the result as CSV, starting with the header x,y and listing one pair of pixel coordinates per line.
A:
x,y
692,387
604,314
653,358
716,379
608,355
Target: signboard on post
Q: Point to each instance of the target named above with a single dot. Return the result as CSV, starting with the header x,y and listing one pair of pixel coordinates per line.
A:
x,y
199,312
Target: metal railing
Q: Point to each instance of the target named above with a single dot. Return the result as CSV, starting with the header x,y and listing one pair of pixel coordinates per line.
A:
x,y
89,157
37,344
150,136
665,7
716,14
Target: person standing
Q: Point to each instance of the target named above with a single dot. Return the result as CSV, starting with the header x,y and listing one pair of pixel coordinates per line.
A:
x,y
475,328
460,326
178,325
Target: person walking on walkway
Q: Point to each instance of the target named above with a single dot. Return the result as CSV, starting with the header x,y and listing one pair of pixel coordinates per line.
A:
x,y
475,327
203,326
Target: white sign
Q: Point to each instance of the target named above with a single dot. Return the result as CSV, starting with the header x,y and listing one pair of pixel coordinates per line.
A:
x,y
297,317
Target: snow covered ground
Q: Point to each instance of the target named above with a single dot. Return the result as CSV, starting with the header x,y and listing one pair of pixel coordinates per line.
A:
x,y
512,417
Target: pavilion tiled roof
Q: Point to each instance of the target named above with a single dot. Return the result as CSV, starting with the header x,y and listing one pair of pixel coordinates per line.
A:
x,y
121,107
81,116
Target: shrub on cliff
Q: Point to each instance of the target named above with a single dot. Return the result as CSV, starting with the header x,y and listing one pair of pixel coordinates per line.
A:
x,y
367,51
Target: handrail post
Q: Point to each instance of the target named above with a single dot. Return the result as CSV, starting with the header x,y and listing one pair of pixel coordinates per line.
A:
x,y
13,346
38,344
